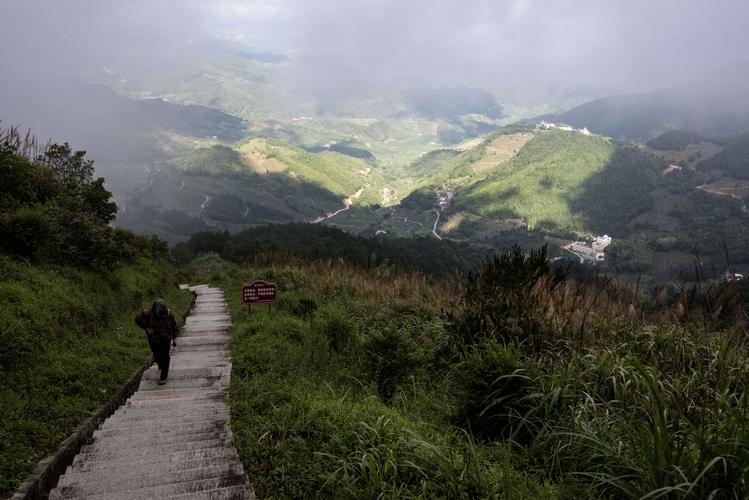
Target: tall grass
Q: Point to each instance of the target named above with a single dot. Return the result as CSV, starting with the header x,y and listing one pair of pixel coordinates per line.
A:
x,y
559,389
25,145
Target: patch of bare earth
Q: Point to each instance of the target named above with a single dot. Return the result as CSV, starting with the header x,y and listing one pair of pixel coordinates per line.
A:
x,y
469,144
727,186
698,152
258,162
500,150
453,222
494,226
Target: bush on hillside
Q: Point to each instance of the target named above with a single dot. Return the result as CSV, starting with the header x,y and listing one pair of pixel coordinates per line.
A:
x,y
389,356
493,391
505,299
303,306
336,326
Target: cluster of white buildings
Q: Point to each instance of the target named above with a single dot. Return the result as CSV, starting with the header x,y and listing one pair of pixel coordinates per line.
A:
x,y
544,125
444,197
591,252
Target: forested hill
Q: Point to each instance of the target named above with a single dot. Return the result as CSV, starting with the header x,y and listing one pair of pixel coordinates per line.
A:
x,y
566,180
320,242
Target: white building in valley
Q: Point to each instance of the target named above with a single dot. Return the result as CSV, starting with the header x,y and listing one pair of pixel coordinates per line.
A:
x,y
590,252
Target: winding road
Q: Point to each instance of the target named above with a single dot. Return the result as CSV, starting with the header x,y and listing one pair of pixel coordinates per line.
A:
x,y
204,204
434,229
347,202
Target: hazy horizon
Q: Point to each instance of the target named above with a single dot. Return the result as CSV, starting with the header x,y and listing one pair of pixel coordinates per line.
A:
x,y
351,48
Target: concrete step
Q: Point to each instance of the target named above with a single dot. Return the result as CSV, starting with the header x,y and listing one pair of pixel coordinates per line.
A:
x,y
153,373
176,490
185,383
144,407
196,333
194,359
180,373
138,477
174,461
157,486
154,450
202,340
208,318
178,394
175,427
229,493
210,307
214,325
215,348
166,419
199,402
130,442
212,332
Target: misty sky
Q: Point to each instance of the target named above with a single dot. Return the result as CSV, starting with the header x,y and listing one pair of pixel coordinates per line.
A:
x,y
350,45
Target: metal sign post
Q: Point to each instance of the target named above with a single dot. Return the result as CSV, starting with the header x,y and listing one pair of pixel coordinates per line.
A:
x,y
259,292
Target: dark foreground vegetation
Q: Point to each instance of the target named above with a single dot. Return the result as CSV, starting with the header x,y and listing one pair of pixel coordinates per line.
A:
x,y
69,288
318,241
519,384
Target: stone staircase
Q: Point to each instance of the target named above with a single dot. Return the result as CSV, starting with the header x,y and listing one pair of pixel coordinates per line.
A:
x,y
170,441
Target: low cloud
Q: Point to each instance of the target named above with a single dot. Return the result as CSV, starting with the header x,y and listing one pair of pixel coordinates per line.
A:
x,y
358,46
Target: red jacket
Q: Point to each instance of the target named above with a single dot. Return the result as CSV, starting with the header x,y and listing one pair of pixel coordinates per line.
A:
x,y
163,328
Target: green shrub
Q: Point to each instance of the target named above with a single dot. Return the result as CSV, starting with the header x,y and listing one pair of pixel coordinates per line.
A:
x,y
336,326
303,306
293,329
493,391
268,353
56,212
505,300
389,356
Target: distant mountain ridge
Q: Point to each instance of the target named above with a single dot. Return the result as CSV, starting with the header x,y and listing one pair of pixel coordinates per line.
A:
x,y
713,105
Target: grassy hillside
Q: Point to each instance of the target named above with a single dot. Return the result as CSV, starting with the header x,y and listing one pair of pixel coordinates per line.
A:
x,y
337,173
566,184
256,182
365,385
474,160
541,182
